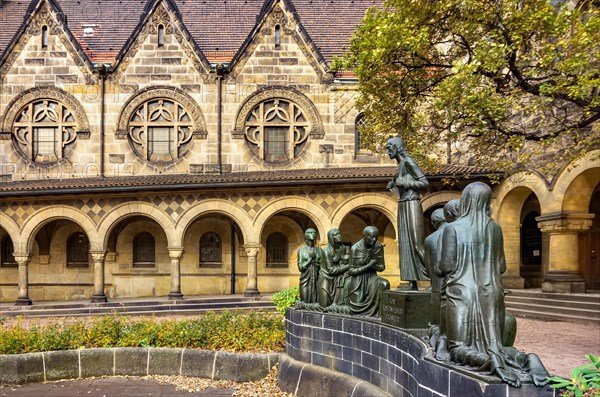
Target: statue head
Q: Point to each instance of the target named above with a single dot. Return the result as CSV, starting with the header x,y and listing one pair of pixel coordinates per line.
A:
x,y
437,218
452,210
395,147
310,234
475,198
370,234
334,237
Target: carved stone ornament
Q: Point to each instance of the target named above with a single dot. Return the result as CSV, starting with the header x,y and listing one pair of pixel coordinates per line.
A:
x,y
172,25
276,123
160,123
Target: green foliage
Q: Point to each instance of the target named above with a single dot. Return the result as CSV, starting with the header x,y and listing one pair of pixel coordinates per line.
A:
x,y
286,298
505,82
232,331
584,382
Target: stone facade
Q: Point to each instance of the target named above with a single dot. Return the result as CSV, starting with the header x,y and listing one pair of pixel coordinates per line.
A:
x,y
164,137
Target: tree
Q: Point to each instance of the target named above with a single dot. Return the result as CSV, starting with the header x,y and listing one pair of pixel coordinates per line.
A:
x,y
513,83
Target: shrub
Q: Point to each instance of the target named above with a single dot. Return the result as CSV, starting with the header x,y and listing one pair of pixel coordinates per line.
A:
x,y
286,298
232,331
584,382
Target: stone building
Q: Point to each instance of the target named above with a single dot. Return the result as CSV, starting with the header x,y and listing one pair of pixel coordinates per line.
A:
x,y
178,147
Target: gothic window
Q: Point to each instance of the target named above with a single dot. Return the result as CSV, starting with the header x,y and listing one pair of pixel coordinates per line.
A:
x,y
160,130
143,250
277,37
45,130
277,130
359,127
78,248
7,258
210,250
44,36
277,250
161,35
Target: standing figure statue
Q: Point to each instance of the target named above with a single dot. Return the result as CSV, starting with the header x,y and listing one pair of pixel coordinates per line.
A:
x,y
363,287
472,260
309,264
407,182
334,263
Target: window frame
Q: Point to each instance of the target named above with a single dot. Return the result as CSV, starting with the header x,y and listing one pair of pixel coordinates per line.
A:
x,y
209,260
282,257
76,259
140,261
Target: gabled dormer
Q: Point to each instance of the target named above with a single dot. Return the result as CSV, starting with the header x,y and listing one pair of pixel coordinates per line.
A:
x,y
159,49
44,50
279,41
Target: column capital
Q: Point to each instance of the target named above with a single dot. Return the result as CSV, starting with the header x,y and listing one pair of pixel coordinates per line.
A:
x,y
175,252
98,256
252,249
22,258
562,222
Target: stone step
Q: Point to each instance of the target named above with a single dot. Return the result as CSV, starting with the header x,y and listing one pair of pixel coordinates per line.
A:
x,y
191,306
581,308
552,317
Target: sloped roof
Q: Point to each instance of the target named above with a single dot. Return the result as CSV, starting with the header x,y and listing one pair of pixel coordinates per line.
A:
x,y
215,25
234,179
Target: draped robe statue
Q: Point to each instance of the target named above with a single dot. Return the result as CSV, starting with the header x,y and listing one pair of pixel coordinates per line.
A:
x,y
334,263
363,287
309,264
472,260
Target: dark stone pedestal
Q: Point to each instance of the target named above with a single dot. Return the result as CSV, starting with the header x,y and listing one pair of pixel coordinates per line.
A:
x,y
175,296
405,309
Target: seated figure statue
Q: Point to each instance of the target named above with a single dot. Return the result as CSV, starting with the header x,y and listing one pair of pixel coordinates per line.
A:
x,y
472,260
363,287
309,264
334,263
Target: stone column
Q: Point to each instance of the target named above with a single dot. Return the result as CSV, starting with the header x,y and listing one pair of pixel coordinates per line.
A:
x,y
98,258
23,291
563,257
175,254
252,280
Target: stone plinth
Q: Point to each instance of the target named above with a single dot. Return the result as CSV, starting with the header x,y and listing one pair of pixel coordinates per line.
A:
x,y
405,309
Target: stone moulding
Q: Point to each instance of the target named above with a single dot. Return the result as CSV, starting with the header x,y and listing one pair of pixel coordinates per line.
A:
x,y
87,363
394,361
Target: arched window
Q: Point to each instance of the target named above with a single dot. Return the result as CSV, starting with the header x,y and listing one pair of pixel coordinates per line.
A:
x,y
143,250
210,250
44,130
160,130
7,258
277,37
161,35
277,130
359,127
277,250
78,249
44,36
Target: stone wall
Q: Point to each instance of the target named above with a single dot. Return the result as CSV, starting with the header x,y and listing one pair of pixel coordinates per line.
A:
x,y
392,360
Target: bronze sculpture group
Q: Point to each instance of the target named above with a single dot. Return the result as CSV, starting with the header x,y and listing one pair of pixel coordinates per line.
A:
x,y
463,258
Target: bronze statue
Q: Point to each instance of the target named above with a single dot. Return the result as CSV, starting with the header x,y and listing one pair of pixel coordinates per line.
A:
x,y
472,259
334,263
309,264
432,251
407,182
363,287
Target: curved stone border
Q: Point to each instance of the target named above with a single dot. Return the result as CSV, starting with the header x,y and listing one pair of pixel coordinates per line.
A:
x,y
395,361
136,361
309,380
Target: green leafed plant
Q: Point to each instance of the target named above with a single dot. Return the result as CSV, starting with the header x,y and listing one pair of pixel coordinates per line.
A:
x,y
286,298
584,382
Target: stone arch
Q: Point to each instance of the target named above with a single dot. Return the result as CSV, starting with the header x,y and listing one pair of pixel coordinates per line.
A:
x,y
35,222
10,227
518,187
290,94
316,213
381,202
126,210
42,93
440,197
224,207
576,183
